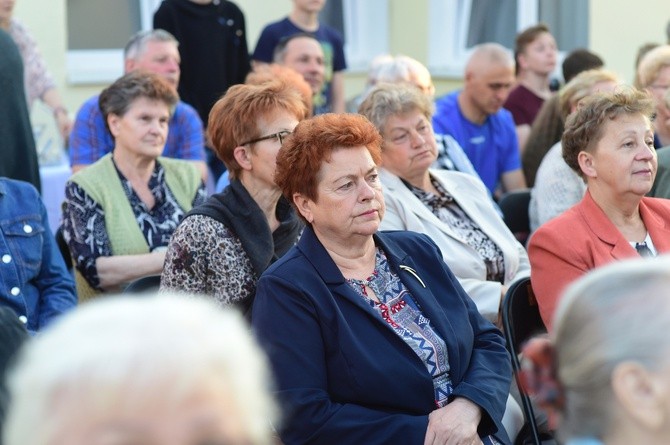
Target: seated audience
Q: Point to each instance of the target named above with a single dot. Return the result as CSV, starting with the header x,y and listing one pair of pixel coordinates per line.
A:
x,y
156,52
535,55
17,150
548,126
38,81
120,212
222,247
654,77
405,70
371,337
605,368
557,186
453,208
34,281
609,142
475,118
152,370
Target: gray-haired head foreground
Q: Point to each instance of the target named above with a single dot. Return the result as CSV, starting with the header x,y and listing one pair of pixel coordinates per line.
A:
x,y
120,361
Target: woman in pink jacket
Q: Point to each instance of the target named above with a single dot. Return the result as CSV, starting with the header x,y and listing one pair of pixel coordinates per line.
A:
x,y
609,142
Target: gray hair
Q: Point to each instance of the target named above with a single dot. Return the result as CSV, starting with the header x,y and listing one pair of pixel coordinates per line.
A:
x,y
617,313
138,42
406,69
386,100
652,63
124,350
580,87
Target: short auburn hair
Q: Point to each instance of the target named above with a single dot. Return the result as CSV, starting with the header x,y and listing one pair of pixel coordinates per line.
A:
x,y
268,73
234,119
313,142
584,128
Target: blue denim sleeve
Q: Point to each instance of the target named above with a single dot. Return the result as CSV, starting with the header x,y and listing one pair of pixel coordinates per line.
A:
x,y
56,286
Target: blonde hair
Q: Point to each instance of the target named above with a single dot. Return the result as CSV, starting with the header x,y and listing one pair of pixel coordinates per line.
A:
x,y
125,350
651,65
580,87
617,313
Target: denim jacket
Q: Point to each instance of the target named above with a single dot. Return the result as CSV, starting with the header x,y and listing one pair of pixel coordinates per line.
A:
x,y
34,280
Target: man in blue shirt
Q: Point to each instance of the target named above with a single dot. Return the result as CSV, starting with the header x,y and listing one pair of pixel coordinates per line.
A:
x,y
475,118
154,51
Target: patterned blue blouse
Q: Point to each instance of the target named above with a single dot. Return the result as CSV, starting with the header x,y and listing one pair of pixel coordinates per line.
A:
x,y
398,308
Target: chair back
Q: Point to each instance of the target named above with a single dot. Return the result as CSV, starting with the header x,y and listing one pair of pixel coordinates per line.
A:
x,y
146,284
521,321
514,206
64,249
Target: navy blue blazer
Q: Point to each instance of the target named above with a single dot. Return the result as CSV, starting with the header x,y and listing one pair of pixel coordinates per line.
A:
x,y
343,375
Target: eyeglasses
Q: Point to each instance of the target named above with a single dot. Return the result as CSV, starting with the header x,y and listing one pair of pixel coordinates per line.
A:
x,y
280,136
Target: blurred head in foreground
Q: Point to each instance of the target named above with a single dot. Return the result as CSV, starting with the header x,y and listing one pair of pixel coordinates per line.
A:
x,y
157,370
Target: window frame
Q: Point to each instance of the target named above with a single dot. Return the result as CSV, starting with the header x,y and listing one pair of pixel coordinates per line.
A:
x,y
96,66
447,55
362,41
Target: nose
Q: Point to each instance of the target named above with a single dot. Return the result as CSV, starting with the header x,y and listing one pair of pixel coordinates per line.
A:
x,y
646,152
316,67
174,66
417,139
367,192
156,126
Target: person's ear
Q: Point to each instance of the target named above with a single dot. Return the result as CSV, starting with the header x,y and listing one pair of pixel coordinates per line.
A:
x,y
641,394
521,61
241,155
113,122
304,206
128,65
587,164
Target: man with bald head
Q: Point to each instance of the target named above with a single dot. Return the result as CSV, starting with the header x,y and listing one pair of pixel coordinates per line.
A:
x,y
475,118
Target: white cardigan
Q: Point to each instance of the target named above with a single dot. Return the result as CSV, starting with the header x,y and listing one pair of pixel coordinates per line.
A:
x,y
404,211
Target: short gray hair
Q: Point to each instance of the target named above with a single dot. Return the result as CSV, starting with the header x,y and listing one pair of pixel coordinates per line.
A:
x,y
406,69
138,42
130,348
386,100
617,313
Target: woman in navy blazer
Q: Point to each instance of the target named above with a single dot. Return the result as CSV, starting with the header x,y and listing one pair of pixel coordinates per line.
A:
x,y
371,337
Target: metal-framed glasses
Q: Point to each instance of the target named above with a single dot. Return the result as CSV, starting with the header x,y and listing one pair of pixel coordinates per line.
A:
x,y
280,136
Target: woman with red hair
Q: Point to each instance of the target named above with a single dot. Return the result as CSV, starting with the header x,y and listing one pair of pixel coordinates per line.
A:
x,y
370,335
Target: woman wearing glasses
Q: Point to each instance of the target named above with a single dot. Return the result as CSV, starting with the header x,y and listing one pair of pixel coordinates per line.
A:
x,y
222,247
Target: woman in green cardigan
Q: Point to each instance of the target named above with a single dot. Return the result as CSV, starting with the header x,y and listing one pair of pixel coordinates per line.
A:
x,y
120,212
